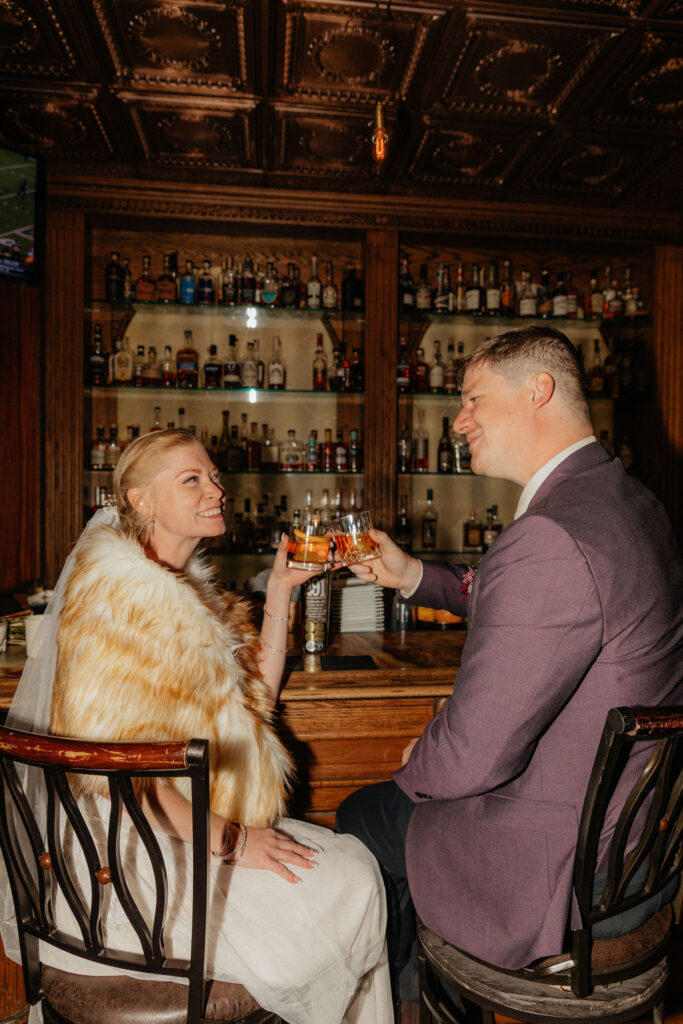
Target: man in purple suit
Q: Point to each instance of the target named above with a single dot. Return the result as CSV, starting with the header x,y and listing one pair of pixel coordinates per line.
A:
x,y
575,609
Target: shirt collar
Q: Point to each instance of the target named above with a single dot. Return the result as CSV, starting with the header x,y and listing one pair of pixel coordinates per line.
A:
x,y
544,472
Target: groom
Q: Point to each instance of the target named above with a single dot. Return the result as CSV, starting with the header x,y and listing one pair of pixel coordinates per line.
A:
x,y
575,609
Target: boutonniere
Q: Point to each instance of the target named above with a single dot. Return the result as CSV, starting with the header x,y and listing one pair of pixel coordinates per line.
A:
x,y
468,580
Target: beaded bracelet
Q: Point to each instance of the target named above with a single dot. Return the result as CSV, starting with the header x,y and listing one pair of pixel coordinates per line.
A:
x,y
276,618
278,650
236,853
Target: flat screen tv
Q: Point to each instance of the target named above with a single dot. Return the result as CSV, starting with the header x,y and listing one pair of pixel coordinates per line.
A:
x,y
21,207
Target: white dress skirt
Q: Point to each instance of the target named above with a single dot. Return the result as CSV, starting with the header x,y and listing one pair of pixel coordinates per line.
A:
x,y
314,953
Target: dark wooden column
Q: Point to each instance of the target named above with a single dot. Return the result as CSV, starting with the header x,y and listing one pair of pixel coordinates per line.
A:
x,y
63,377
381,326
667,304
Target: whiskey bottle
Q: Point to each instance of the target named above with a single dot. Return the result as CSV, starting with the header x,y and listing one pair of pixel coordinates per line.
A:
x,y
403,368
572,297
429,522
560,297
212,370
270,450
450,381
98,363
244,441
166,283
228,283
145,289
312,461
327,453
315,614
271,286
169,373
233,455
607,291
593,301
355,453
421,445
406,288
114,279
473,534
97,449
187,359
338,509
341,372
260,366
493,291
156,422
289,290
258,293
330,295
206,291
151,373
445,450
436,370
423,293
404,526
419,372
508,296
341,453
249,368
314,287
441,290
254,450
112,450
248,282
356,372
123,363
475,298
596,380
319,366
231,367
404,453
526,301
460,291
188,285
291,454
462,457
492,529
277,373
139,366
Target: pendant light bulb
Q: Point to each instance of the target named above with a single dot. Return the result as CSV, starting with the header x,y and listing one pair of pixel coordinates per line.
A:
x,y
380,136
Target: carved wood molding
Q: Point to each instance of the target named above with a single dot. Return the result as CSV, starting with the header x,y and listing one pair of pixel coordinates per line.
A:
x,y
328,209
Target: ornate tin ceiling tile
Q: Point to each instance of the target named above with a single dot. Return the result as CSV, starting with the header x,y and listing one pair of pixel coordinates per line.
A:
x,y
32,40
479,157
312,144
65,124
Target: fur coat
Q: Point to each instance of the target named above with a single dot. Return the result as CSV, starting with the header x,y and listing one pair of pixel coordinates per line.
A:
x,y
146,654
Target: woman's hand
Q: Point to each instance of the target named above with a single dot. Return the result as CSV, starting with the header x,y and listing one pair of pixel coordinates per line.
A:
x,y
283,579
269,850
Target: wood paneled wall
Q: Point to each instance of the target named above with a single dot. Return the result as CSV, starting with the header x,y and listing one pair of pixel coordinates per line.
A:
x,y
667,302
20,462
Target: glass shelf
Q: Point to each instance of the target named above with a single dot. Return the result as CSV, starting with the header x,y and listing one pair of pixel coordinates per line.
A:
x,y
616,324
251,395
286,475
246,316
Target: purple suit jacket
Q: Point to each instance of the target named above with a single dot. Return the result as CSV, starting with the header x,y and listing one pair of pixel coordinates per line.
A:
x,y
575,609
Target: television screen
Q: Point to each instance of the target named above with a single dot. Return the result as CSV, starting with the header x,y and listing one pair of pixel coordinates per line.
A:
x,y
20,188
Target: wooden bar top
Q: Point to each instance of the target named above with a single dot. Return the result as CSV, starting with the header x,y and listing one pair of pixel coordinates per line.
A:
x,y
412,663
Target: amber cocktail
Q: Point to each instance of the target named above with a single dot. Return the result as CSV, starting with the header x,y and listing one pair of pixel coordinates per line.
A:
x,y
308,547
352,538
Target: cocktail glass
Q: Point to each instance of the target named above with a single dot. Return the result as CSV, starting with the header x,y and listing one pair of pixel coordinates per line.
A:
x,y
308,547
352,538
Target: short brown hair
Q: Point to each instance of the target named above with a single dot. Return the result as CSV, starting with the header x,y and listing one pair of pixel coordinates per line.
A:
x,y
137,467
518,353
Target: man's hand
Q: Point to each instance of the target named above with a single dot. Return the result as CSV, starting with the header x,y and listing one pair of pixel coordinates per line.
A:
x,y
395,568
408,750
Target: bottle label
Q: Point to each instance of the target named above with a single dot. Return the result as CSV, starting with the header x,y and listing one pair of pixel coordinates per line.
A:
x,y
493,298
313,295
408,300
436,377
340,460
472,300
560,305
166,291
276,376
572,305
527,307
187,290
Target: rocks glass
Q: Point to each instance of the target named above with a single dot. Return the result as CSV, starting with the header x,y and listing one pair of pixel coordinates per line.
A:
x,y
308,547
352,538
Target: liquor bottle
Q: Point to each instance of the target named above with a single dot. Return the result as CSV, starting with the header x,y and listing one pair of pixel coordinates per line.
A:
x,y
145,288
123,363
338,509
244,441
112,450
327,453
592,301
356,286
271,285
404,456
114,279
406,288
450,378
423,293
460,302
472,534
223,442
213,370
462,457
492,529
607,291
231,366
572,297
253,450
206,290
247,527
228,283
445,450
441,290
421,445
98,363
330,295
187,360
166,283
156,421
341,454
128,283
249,368
312,462
308,511
270,449
291,454
233,455
139,366
340,379
151,373
560,297
260,366
315,614
97,449
403,368
319,366
302,290
355,453
356,372
493,292
258,293
314,287
615,304
277,372
526,300
544,296
596,380
475,298
188,285
508,297
419,372
404,527
436,370
429,521
248,287
289,289
169,373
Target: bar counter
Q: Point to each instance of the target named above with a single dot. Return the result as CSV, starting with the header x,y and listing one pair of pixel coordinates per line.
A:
x,y
346,726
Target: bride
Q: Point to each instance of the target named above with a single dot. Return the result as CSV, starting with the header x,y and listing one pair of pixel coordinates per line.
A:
x,y
141,645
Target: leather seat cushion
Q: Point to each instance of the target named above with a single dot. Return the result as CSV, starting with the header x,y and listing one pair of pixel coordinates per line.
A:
x,y
116,999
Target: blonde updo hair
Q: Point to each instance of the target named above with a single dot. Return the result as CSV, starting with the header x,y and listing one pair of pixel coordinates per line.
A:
x,y
139,464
